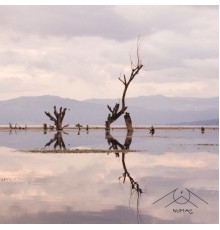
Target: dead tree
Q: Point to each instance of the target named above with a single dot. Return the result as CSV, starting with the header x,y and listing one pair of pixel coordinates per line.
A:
x,y
116,145
58,119
116,112
58,139
135,188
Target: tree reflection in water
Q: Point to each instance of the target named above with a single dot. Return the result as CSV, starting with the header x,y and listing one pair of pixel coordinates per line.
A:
x,y
58,139
135,188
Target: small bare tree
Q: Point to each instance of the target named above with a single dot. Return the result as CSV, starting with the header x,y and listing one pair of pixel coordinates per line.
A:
x,y
116,112
58,119
58,139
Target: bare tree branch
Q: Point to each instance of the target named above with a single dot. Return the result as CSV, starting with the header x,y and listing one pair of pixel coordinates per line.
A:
x,y
115,112
63,113
58,119
50,116
121,80
65,126
55,111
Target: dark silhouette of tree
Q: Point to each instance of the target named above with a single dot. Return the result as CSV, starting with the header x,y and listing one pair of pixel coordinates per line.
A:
x,y
58,118
114,144
116,111
135,188
58,139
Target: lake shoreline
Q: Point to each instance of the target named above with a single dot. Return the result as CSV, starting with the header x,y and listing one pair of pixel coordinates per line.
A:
x,y
82,151
94,127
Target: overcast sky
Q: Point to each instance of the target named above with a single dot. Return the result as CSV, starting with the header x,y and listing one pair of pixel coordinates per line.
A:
x,y
80,51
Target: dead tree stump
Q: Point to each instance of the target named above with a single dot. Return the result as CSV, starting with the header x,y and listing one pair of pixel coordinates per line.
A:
x,y
58,118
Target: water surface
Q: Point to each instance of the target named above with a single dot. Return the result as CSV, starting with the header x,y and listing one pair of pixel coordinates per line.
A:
x,y
110,188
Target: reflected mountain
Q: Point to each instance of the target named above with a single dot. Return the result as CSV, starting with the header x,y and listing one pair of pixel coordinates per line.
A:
x,y
135,188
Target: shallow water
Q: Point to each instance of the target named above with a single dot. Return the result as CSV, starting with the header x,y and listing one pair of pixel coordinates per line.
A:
x,y
173,179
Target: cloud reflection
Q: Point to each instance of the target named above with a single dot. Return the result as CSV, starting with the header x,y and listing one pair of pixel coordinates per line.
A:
x,y
84,188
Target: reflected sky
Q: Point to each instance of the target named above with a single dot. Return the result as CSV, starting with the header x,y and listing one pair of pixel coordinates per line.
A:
x,y
85,188
162,141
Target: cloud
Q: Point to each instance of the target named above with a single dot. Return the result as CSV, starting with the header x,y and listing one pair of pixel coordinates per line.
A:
x,y
80,51
66,21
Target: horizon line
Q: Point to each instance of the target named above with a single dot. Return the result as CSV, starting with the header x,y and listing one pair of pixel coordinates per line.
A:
x,y
116,98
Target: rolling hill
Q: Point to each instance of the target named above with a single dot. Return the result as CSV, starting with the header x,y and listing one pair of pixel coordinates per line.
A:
x,y
145,110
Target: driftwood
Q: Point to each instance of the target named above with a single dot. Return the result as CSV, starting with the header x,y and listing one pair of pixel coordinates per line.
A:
x,y
17,126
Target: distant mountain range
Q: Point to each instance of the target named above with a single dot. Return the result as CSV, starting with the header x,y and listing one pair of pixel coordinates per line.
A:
x,y
160,102
145,110
213,122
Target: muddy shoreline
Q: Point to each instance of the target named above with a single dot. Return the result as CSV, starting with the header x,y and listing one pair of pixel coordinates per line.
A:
x,y
93,127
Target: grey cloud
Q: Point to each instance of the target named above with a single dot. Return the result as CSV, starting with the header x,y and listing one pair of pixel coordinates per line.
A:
x,y
118,215
89,46
67,21
115,22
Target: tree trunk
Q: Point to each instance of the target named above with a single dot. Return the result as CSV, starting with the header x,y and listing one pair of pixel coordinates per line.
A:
x,y
58,118
107,126
115,143
115,112
59,122
128,122
58,139
128,139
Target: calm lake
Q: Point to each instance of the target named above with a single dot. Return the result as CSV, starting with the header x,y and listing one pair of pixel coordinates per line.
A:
x,y
173,177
